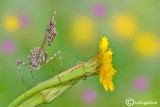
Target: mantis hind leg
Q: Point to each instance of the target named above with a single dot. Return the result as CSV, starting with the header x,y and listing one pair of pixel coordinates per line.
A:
x,y
55,71
18,62
21,62
32,77
49,60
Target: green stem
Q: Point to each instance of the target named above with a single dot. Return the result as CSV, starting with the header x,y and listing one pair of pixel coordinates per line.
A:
x,y
78,72
48,95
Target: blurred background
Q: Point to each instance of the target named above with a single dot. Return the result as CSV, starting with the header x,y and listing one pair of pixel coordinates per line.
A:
x,y
132,27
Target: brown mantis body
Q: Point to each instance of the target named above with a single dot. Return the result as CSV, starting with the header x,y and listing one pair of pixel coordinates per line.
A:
x,y
37,56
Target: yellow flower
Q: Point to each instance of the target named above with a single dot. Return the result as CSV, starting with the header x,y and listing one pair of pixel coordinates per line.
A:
x,y
106,70
103,44
124,25
11,23
82,31
146,44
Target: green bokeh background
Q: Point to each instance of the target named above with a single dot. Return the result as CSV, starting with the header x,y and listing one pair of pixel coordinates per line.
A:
x,y
126,61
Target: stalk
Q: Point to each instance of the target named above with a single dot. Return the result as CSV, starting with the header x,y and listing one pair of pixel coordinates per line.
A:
x,y
48,95
49,90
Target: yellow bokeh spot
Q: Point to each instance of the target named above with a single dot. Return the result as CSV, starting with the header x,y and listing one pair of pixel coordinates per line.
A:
x,y
146,44
82,30
124,25
11,23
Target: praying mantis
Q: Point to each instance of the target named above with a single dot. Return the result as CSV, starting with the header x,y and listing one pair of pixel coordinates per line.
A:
x,y
37,56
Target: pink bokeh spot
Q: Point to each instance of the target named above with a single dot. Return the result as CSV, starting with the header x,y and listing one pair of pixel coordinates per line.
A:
x,y
8,46
140,83
24,20
99,10
89,96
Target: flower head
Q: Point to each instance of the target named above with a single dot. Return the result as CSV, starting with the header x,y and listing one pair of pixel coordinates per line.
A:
x,y
11,23
106,70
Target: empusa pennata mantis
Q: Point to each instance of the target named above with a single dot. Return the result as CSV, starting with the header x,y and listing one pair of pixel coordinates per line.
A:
x,y
37,55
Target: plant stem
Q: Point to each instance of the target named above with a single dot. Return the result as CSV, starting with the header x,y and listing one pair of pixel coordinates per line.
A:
x,y
47,95
76,73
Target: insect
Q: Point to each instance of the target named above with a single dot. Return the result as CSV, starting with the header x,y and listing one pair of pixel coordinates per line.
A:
x,y
37,56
